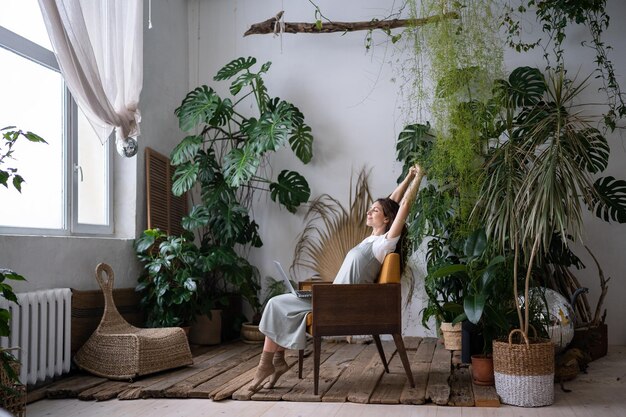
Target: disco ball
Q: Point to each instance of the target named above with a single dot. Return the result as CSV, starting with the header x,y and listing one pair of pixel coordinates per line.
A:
x,y
127,147
560,315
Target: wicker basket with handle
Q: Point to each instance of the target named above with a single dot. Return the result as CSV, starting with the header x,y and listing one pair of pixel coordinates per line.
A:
x,y
524,372
13,394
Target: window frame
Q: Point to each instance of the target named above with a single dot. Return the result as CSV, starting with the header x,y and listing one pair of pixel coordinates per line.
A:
x,y
28,49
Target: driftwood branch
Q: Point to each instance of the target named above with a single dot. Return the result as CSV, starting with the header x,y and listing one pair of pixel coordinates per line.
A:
x,y
274,25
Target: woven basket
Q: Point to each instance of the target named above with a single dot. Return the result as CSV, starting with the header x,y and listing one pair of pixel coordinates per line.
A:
x,y
524,372
451,335
14,402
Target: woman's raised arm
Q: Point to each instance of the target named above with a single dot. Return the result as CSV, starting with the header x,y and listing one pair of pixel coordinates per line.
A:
x,y
408,193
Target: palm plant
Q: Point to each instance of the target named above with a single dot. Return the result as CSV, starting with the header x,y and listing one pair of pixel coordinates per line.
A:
x,y
539,172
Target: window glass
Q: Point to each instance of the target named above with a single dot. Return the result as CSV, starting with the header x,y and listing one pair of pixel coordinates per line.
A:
x,y
91,174
36,104
24,18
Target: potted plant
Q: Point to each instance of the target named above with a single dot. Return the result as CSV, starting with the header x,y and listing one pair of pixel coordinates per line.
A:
x,y
170,281
226,164
538,175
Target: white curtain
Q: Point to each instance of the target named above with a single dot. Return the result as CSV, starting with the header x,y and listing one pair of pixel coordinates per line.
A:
x,y
99,46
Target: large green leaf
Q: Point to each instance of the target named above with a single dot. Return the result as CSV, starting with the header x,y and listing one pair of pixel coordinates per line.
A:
x,y
184,178
301,142
273,129
227,222
218,191
198,217
609,203
475,244
250,234
199,106
525,87
446,270
290,190
414,140
473,305
301,139
234,67
186,150
222,112
594,155
208,167
241,81
240,165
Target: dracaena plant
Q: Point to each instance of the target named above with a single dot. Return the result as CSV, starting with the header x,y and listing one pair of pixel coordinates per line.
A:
x,y
226,162
543,169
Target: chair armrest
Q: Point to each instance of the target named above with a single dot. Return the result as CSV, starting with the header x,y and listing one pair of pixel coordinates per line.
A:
x,y
354,309
307,284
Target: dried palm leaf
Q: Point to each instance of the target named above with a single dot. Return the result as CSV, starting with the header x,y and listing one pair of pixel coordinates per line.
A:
x,y
331,230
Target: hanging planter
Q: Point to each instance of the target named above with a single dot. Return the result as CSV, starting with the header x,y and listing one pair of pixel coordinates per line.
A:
x,y
524,372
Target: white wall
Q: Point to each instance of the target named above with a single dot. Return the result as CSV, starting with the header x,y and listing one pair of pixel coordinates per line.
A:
x,y
50,262
350,101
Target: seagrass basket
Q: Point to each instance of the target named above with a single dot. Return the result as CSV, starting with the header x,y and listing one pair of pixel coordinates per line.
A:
x,y
524,372
13,398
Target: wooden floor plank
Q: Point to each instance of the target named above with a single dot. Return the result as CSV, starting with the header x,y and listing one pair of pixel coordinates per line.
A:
x,y
330,370
205,389
244,394
291,379
425,350
71,387
339,391
391,384
461,394
411,342
103,392
361,392
485,396
209,369
438,390
416,395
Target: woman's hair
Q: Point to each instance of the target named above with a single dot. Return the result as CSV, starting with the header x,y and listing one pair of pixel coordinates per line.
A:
x,y
390,209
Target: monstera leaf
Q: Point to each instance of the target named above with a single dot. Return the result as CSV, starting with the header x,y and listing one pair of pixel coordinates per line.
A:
x,y
234,67
228,222
290,190
240,165
273,129
301,139
184,178
609,203
413,140
241,81
594,155
186,150
525,87
198,217
199,106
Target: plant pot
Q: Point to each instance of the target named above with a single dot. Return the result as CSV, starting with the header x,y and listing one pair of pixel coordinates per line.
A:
x,y
524,373
250,333
593,340
207,331
472,341
451,336
482,369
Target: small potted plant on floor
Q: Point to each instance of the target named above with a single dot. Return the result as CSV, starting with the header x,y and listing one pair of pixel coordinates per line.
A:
x,y
257,298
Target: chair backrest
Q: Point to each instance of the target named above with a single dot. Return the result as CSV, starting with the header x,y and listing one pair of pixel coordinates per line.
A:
x,y
390,270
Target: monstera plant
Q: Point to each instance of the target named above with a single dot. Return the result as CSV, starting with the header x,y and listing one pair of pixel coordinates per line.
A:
x,y
226,161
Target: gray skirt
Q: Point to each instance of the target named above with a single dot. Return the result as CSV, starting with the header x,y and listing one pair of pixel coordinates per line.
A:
x,y
284,320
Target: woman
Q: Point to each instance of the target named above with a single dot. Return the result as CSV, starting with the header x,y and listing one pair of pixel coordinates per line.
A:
x,y
284,318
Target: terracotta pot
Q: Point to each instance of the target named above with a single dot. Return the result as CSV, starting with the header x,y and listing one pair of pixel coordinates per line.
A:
x,y
482,370
451,336
250,333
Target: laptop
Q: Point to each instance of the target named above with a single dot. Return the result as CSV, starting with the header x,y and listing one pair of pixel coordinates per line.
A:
x,y
297,293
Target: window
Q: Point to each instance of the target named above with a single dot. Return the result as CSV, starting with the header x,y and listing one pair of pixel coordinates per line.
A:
x,y
68,181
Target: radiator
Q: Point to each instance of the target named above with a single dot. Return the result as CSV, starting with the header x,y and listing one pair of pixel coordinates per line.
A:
x,y
40,327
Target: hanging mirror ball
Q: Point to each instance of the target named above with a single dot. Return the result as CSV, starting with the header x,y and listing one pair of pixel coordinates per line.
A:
x,y
127,148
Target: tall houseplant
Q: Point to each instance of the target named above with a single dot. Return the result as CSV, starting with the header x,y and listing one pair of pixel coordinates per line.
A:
x,y
536,180
226,161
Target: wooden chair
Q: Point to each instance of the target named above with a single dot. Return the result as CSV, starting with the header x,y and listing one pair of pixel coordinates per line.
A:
x,y
359,309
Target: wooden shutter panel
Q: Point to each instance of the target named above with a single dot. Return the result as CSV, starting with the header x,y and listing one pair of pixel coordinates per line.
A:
x,y
165,210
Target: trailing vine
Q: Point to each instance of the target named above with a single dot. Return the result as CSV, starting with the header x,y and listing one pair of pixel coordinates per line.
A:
x,y
555,16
